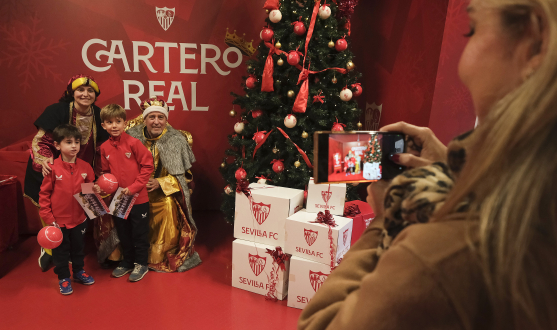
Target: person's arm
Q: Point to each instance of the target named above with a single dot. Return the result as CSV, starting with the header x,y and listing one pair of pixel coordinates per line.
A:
x,y
146,167
43,151
45,210
423,147
105,166
398,293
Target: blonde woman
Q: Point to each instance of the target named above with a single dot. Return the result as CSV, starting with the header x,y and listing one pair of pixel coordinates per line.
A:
x,y
487,258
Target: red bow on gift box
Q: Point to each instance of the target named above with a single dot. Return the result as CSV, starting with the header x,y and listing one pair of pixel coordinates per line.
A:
x,y
325,218
352,211
242,186
279,257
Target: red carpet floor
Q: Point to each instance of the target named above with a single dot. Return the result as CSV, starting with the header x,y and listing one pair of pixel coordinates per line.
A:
x,y
201,298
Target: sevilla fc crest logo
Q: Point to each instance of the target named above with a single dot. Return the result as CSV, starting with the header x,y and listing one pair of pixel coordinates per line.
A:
x,y
310,236
345,236
326,195
261,212
165,16
257,263
316,279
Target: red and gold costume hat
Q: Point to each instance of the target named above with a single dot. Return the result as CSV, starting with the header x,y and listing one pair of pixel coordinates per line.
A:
x,y
82,80
154,104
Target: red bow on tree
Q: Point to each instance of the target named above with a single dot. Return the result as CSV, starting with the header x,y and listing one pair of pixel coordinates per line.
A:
x,y
352,211
319,98
267,78
325,218
279,257
271,4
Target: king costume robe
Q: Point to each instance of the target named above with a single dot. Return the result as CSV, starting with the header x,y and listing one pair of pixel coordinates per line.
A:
x,y
172,228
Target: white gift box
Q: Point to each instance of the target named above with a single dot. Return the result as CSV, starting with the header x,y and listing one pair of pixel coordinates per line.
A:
x,y
262,219
372,171
310,240
306,277
252,267
323,197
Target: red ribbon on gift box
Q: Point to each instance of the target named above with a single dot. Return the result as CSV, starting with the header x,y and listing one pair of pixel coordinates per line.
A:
x,y
279,262
328,219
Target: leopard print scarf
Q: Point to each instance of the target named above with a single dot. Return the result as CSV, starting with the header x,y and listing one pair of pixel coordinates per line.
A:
x,y
415,195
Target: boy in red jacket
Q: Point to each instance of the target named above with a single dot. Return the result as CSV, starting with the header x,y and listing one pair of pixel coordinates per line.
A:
x,y
58,205
127,158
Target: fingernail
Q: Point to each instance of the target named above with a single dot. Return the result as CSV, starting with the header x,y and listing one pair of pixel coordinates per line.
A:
x,y
395,158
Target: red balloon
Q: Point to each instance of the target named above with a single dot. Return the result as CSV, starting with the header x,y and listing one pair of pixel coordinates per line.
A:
x,y
50,237
240,174
267,34
108,183
258,137
293,57
299,28
357,90
256,113
278,167
250,82
341,45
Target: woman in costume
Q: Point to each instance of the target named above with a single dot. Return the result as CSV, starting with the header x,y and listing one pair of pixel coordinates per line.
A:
x,y
76,107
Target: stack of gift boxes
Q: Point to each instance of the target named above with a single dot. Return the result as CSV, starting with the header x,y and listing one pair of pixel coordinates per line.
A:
x,y
274,217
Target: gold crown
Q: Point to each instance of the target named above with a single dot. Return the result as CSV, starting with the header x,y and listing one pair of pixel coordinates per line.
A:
x,y
232,40
153,101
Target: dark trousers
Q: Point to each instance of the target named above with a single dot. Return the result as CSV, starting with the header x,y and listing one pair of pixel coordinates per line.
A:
x,y
133,233
71,249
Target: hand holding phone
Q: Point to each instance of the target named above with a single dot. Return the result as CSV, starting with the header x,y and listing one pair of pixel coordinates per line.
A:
x,y
359,156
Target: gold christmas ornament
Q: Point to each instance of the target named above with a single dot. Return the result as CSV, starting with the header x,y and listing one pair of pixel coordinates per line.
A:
x,y
359,125
293,12
331,44
267,11
297,163
275,150
249,67
278,44
291,93
305,135
232,113
222,165
280,62
350,66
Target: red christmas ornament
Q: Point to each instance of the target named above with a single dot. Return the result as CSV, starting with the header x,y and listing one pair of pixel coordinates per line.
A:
x,y
267,34
256,113
293,57
108,183
338,127
341,45
240,174
250,82
50,237
278,165
357,89
299,27
258,137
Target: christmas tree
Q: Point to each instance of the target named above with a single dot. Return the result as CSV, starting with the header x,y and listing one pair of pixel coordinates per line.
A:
x,y
301,80
373,152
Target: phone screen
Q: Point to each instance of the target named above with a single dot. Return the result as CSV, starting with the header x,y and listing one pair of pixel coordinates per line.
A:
x,y
357,156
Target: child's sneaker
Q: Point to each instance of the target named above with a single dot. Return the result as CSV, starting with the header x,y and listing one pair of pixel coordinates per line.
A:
x,y
121,271
138,272
83,278
65,286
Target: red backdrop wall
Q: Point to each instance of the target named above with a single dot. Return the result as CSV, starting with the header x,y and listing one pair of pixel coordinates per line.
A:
x,y
397,44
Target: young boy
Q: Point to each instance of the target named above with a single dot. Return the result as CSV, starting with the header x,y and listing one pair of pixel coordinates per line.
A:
x,y
129,160
59,206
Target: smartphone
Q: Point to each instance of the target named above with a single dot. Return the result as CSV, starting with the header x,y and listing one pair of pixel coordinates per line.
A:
x,y
357,156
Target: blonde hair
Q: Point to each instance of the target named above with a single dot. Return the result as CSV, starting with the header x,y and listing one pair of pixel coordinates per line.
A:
x,y
113,111
510,179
